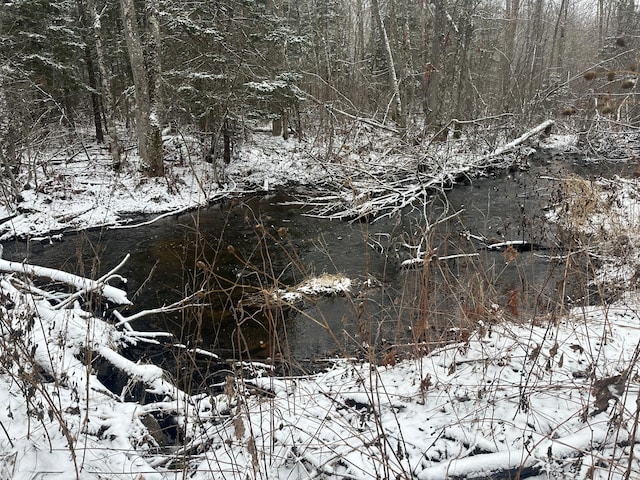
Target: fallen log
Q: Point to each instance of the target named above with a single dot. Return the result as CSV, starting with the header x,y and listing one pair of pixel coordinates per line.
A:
x,y
520,140
517,463
83,284
372,196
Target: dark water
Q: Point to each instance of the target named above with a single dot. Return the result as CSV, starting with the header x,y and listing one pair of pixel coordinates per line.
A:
x,y
239,249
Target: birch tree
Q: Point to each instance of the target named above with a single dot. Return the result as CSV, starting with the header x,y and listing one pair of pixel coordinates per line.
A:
x,y
393,76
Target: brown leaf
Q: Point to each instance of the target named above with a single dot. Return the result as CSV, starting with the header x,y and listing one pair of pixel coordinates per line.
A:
x,y
425,383
390,358
533,356
577,348
510,254
229,388
238,427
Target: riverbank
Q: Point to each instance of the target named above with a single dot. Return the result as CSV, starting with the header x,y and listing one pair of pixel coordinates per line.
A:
x,y
70,185
544,397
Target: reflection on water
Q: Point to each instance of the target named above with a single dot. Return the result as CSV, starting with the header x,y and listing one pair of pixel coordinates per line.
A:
x,y
239,250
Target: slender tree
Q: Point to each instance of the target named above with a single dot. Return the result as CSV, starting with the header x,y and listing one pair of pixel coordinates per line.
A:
x,y
560,35
393,76
508,55
433,69
108,103
91,70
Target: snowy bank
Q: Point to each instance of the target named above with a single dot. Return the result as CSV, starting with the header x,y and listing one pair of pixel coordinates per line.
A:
x,y
535,398
73,186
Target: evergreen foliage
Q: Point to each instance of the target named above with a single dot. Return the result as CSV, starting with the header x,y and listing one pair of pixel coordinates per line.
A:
x,y
274,60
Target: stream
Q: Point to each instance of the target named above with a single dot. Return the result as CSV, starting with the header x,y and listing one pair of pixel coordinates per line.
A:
x,y
238,250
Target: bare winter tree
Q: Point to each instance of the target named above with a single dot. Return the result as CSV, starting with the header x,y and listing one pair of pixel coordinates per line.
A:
x,y
433,68
393,76
560,34
511,20
108,103
146,81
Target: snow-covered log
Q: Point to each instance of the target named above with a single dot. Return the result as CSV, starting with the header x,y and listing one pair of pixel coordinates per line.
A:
x,y
374,191
521,139
83,284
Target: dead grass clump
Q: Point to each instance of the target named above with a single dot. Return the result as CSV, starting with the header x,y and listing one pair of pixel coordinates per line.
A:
x,y
579,199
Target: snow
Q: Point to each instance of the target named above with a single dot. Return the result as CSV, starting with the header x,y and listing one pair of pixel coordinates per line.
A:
x,y
325,284
84,191
488,405
552,397
117,296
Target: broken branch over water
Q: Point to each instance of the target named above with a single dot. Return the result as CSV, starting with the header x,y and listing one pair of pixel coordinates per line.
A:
x,y
368,191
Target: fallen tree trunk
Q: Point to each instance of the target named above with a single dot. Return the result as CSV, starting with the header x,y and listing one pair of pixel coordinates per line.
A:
x,y
520,140
516,463
375,193
82,284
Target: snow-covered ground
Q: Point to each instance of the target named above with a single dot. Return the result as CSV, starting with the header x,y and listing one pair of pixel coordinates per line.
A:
x,y
71,184
76,187
543,398
551,398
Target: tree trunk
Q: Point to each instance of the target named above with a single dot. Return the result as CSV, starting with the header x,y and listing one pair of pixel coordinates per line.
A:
x,y
285,124
155,150
433,73
559,33
393,77
91,76
108,103
512,12
8,158
600,23
145,82
95,99
276,126
464,90
535,57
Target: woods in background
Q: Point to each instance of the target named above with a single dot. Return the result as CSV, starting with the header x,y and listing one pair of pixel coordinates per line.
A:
x,y
411,65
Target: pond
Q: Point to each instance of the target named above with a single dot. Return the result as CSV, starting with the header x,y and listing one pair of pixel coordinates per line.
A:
x,y
238,251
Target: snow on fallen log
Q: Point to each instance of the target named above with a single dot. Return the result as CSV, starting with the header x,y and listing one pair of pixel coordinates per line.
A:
x,y
511,463
414,262
56,400
520,140
82,284
376,189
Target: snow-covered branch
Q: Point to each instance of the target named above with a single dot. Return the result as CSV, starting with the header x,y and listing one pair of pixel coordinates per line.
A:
x,y
109,292
366,191
521,139
179,305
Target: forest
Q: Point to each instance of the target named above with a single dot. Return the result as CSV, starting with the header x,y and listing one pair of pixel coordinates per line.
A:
x,y
339,239
416,68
